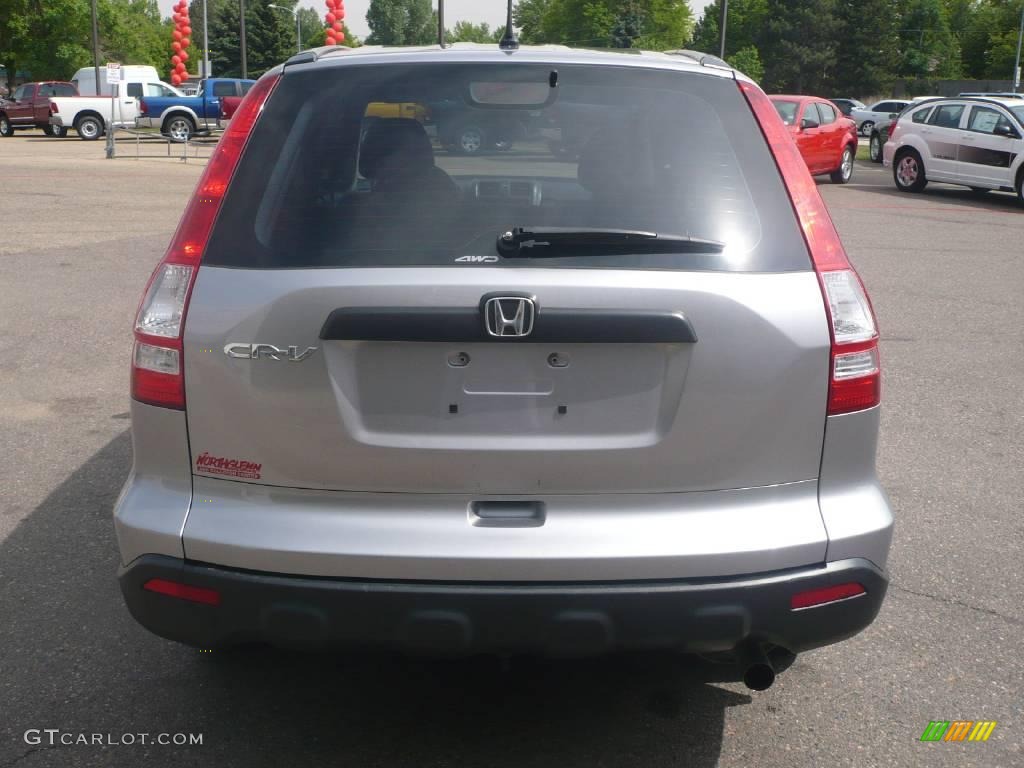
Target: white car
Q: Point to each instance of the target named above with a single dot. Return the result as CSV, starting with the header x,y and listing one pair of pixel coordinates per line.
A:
x,y
977,142
880,111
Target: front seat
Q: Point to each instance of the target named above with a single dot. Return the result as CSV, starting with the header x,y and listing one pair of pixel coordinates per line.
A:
x,y
398,159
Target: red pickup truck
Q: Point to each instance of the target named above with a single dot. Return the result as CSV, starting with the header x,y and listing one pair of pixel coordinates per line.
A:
x,y
29,107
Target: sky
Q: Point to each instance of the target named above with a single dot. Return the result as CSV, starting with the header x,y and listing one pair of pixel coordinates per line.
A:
x,y
491,11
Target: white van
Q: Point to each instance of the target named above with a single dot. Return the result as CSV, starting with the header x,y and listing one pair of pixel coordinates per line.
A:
x,y
137,75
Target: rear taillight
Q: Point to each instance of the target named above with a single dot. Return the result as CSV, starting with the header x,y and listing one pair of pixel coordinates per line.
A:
x,y
143,109
157,359
53,108
855,373
183,591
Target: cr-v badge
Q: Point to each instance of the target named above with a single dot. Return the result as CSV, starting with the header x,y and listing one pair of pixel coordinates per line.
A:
x,y
256,351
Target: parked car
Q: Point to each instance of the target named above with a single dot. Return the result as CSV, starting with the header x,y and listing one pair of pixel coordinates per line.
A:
x,y
846,106
180,117
89,115
881,110
827,141
881,130
383,396
974,141
29,107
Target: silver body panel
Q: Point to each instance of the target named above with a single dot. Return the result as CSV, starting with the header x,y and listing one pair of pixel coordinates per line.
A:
x,y
742,407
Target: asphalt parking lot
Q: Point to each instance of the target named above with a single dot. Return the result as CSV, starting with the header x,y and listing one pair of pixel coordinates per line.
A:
x,y
945,270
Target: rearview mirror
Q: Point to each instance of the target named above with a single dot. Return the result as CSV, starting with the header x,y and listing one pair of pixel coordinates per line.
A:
x,y
512,95
1007,131
808,122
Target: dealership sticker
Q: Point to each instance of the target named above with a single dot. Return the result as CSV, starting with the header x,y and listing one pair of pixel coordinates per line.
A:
x,y
220,465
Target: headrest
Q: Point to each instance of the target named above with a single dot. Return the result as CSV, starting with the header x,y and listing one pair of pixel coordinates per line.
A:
x,y
397,145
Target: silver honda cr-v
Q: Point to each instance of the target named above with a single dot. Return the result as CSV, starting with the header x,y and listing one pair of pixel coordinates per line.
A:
x,y
471,350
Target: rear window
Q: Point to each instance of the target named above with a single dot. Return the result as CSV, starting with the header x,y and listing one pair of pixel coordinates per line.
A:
x,y
787,110
401,165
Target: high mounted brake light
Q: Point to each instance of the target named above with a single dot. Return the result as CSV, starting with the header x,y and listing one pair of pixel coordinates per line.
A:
x,y
855,373
157,364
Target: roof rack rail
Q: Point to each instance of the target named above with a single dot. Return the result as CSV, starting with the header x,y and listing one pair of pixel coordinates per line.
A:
x,y
314,54
704,59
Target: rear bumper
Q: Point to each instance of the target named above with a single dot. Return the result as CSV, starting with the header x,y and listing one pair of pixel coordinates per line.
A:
x,y
466,618
147,122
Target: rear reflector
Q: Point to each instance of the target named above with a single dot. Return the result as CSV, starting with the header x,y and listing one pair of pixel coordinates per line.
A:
x,y
157,361
183,591
855,373
815,597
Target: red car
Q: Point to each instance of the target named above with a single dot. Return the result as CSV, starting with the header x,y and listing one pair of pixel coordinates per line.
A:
x,y
827,140
29,107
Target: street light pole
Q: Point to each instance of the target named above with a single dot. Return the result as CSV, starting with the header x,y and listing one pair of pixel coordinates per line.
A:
x,y
206,43
721,28
241,38
298,23
1020,39
95,46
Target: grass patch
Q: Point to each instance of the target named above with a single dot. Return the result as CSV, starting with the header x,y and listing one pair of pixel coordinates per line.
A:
x,y
862,153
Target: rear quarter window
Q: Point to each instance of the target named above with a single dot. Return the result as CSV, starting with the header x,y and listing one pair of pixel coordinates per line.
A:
x,y
364,165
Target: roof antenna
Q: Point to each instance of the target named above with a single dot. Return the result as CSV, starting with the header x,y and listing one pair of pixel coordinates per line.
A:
x,y
440,23
509,41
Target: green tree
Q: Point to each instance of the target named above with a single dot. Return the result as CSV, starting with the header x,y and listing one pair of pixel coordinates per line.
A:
x,y
269,37
748,61
928,48
401,22
132,31
468,32
867,47
744,28
798,47
528,16
651,24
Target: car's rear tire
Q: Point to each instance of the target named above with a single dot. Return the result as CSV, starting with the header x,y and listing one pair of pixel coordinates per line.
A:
x,y
1020,184
908,171
875,147
179,128
844,172
6,129
866,128
89,128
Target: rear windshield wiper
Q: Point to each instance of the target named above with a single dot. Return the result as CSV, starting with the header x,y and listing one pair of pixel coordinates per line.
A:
x,y
550,242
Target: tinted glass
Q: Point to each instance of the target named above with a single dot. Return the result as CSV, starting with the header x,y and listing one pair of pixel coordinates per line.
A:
x,y
134,90
986,120
1019,113
828,114
787,110
246,87
223,89
884,106
21,92
921,115
947,116
337,173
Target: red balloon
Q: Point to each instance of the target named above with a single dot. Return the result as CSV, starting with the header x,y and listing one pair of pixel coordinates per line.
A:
x,y
176,79
186,30
186,42
340,13
181,69
176,35
184,56
329,17
176,46
338,26
329,38
175,60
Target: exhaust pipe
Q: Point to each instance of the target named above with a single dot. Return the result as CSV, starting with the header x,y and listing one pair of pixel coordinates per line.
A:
x,y
758,670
